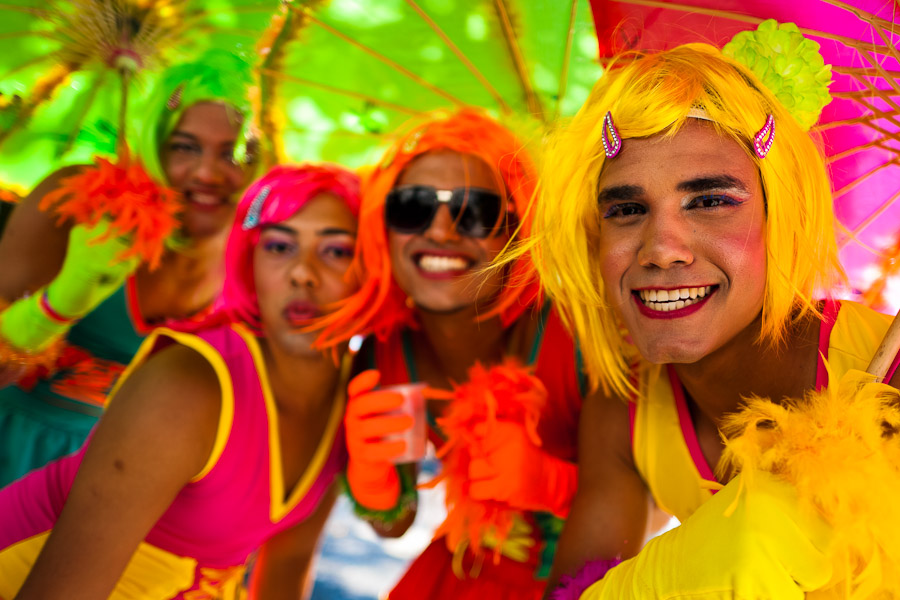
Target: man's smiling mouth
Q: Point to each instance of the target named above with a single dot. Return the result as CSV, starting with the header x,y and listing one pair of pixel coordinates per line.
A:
x,y
668,300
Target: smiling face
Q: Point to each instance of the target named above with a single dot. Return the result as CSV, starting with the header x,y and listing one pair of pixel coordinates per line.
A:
x,y
300,267
682,242
198,160
436,268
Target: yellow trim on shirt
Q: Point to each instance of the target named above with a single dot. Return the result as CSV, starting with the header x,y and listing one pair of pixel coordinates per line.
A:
x,y
207,351
151,573
280,508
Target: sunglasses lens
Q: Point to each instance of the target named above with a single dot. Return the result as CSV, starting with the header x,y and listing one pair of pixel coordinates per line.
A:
x,y
480,212
410,209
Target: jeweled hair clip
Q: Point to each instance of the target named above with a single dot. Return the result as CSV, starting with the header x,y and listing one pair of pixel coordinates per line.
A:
x,y
251,219
762,141
612,141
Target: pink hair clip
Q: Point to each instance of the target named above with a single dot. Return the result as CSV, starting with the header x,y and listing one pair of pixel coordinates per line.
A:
x,y
612,141
762,141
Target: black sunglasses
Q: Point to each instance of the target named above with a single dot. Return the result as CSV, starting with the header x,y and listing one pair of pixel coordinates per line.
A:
x,y
476,212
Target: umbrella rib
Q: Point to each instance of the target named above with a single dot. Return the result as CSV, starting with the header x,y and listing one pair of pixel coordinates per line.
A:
x,y
870,219
512,45
874,20
28,63
567,57
377,55
25,9
890,80
230,30
863,71
202,14
24,34
863,97
864,176
712,12
859,12
863,120
850,151
41,92
88,103
461,56
342,92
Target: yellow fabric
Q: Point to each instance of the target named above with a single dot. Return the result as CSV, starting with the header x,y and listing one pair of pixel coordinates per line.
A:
x,y
831,447
226,414
762,529
279,505
518,542
152,574
660,452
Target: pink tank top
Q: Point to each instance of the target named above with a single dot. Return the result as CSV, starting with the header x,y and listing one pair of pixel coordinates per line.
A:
x,y
239,500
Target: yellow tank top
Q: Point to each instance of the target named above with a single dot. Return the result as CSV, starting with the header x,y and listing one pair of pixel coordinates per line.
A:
x,y
666,451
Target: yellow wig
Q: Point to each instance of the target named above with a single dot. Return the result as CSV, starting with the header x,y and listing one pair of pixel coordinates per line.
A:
x,y
651,94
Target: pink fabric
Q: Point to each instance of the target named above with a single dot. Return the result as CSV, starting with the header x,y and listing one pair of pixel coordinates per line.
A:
x,y
893,368
829,318
30,505
218,520
687,428
572,586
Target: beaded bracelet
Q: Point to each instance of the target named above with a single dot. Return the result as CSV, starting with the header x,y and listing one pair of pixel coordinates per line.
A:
x,y
406,502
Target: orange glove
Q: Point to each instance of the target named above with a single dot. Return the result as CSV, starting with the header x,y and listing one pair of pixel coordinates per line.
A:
x,y
511,468
371,475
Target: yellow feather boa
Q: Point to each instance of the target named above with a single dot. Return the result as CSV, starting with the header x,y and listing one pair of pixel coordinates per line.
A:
x,y
841,449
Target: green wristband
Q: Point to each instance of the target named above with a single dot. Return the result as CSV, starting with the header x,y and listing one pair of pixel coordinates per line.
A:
x,y
26,326
406,501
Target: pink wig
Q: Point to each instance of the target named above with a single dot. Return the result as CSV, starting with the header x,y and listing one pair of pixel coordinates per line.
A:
x,y
278,195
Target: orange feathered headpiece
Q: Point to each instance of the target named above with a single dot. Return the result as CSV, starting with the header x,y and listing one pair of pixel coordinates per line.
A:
x,y
380,305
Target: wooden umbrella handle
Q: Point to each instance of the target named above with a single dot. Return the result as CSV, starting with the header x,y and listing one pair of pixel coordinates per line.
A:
x,y
888,349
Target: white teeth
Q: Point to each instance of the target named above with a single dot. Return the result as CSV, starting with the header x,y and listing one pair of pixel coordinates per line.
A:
x,y
666,300
205,199
441,264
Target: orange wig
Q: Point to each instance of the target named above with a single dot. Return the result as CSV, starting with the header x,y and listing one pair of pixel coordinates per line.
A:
x,y
380,305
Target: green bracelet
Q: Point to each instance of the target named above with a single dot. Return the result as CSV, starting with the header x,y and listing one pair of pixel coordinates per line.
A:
x,y
406,502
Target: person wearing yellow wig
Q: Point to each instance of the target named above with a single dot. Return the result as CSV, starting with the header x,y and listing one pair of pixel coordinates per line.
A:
x,y
685,228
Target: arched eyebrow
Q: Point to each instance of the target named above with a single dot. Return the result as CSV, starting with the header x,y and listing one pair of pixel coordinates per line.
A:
x,y
325,231
705,183
713,182
619,193
335,231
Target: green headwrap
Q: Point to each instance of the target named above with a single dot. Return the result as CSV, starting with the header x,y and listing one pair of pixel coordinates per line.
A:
x,y
218,76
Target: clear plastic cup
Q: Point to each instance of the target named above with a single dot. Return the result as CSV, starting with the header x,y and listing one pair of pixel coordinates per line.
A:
x,y
414,406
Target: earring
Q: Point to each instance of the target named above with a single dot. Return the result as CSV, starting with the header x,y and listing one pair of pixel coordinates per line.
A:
x,y
410,303
761,144
612,142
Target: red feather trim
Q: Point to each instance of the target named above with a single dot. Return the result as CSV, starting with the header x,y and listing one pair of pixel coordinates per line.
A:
x,y
128,197
506,392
